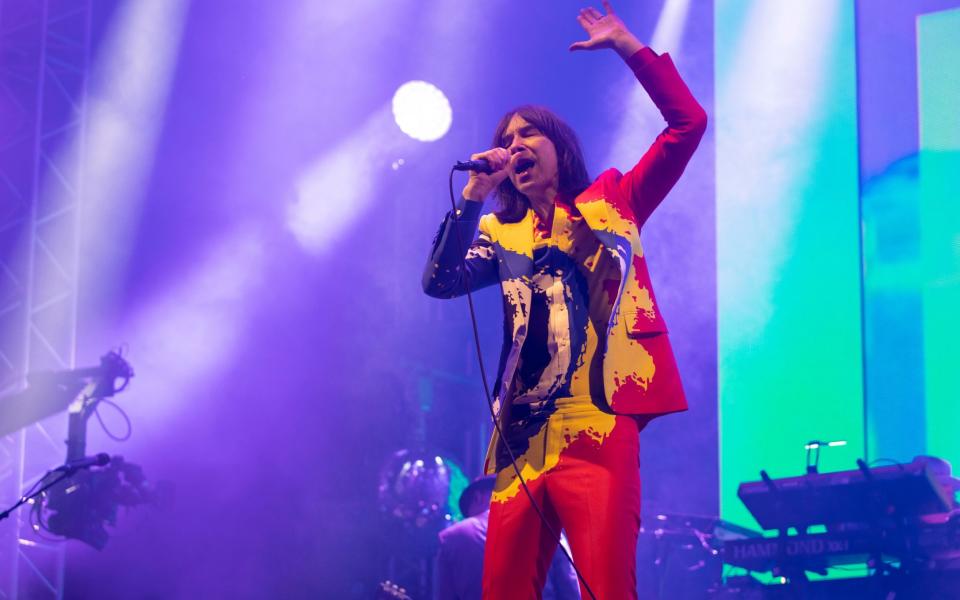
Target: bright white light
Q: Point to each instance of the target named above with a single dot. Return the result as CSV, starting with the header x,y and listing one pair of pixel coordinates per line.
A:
x,y
186,334
130,81
338,187
641,122
669,31
422,111
768,147
818,444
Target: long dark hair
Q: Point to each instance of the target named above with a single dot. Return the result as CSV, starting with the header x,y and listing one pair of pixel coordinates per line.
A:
x,y
573,178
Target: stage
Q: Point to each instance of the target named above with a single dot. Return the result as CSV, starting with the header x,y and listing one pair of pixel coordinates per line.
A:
x,y
217,355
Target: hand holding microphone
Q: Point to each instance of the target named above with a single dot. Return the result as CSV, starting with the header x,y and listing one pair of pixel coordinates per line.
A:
x,y
481,184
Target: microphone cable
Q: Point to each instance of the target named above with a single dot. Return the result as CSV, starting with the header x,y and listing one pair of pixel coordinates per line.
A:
x,y
486,388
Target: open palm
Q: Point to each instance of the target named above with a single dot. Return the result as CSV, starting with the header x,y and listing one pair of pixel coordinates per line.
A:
x,y
603,29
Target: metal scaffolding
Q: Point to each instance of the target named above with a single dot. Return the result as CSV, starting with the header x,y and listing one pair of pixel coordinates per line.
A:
x,y
44,55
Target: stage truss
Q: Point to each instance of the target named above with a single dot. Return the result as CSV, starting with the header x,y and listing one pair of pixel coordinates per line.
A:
x,y
44,55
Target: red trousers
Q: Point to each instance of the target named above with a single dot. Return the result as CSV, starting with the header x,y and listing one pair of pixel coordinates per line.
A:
x,y
583,469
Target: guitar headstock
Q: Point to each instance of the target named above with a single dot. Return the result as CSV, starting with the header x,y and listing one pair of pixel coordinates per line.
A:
x,y
391,591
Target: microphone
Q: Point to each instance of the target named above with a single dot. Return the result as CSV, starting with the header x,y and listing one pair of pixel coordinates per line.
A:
x,y
97,460
481,165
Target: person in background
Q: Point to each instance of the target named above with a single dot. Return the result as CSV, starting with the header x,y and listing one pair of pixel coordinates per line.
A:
x,y
459,564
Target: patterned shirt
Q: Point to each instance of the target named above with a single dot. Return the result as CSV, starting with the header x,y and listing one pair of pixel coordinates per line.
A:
x,y
574,284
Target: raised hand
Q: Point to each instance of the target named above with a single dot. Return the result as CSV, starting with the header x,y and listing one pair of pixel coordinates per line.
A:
x,y
606,31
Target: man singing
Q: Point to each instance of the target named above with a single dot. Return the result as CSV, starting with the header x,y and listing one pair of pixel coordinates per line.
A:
x,y
586,360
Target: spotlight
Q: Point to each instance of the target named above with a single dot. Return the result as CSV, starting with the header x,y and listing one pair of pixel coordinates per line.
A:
x,y
422,111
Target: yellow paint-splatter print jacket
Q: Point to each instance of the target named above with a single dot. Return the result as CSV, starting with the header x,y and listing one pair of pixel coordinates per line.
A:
x,y
639,374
